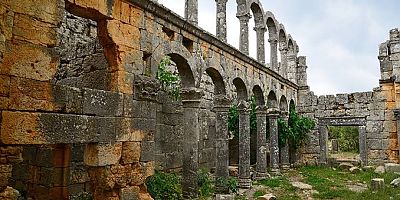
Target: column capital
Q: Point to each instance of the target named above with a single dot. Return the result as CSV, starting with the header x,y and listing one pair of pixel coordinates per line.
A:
x,y
284,49
243,106
221,1
261,110
222,103
284,114
260,28
191,97
273,112
245,17
273,40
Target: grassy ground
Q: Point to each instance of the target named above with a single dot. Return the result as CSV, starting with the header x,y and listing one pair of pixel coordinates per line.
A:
x,y
328,184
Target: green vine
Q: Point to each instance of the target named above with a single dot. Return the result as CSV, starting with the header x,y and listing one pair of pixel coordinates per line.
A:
x,y
170,81
233,119
295,131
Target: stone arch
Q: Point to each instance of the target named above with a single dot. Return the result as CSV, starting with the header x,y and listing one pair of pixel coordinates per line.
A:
x,y
283,105
282,36
258,13
241,89
271,23
272,101
290,44
184,61
259,96
218,81
292,105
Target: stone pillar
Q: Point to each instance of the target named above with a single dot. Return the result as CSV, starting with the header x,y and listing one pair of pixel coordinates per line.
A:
x,y
291,66
394,49
335,145
190,146
302,71
261,167
191,11
363,145
221,109
260,31
284,155
244,33
273,42
323,140
221,20
273,114
244,145
397,117
284,62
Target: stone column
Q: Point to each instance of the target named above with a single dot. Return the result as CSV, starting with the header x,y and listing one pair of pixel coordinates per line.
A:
x,y
363,145
284,62
221,20
291,66
190,146
323,139
284,155
244,145
244,33
397,117
302,71
191,11
273,114
221,109
260,31
273,42
261,167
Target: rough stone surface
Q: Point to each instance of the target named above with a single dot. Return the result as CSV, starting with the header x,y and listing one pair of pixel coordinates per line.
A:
x,y
380,170
377,184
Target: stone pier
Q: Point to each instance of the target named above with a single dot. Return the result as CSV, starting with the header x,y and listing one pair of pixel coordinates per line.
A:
x,y
244,145
191,11
273,115
273,41
284,155
191,101
323,143
221,109
244,33
221,20
260,32
261,167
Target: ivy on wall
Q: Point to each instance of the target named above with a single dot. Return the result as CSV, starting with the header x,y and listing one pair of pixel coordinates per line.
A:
x,y
233,119
170,81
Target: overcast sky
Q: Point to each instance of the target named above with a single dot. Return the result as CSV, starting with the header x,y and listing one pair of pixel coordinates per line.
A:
x,y
339,37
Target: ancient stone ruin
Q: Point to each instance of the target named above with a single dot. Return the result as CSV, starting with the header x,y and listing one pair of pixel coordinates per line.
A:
x,y
81,110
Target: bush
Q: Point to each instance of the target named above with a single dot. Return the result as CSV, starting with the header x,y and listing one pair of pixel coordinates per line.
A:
x,y
231,183
347,137
170,81
205,183
163,186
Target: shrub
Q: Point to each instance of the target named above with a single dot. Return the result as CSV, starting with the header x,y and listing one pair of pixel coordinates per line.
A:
x,y
205,183
163,186
231,183
170,81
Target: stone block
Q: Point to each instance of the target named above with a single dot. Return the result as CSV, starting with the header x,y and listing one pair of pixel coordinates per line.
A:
x,y
374,144
342,98
147,151
131,152
129,193
377,184
29,61
374,127
51,128
392,167
4,85
26,94
102,154
68,99
102,103
376,115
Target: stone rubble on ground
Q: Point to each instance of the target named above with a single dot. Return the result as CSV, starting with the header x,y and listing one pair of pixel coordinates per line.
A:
x,y
380,170
269,196
377,183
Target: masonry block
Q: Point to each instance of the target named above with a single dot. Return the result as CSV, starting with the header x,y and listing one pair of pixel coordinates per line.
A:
x,y
103,154
102,103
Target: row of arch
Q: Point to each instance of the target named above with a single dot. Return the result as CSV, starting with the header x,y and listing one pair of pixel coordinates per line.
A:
x,y
264,22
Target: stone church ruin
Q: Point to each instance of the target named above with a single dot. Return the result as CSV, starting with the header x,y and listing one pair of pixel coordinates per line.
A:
x,y
81,110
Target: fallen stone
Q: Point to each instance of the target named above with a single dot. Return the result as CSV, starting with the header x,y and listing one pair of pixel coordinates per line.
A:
x,y
269,196
395,182
392,167
377,183
233,171
224,197
368,167
301,185
358,187
380,170
355,170
345,166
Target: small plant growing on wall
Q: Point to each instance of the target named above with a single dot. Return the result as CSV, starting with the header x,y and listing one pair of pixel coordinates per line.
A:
x,y
170,81
233,119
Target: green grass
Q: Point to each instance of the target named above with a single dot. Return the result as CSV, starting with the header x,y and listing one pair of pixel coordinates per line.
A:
x,y
258,193
331,184
282,188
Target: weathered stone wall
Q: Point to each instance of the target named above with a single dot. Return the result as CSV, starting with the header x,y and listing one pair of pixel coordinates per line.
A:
x,y
376,107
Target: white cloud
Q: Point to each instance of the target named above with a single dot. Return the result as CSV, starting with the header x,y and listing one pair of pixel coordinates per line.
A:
x,y
339,37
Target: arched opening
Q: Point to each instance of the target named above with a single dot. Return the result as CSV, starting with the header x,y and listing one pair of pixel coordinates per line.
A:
x,y
292,106
241,90
241,93
185,73
272,102
218,81
257,100
283,105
